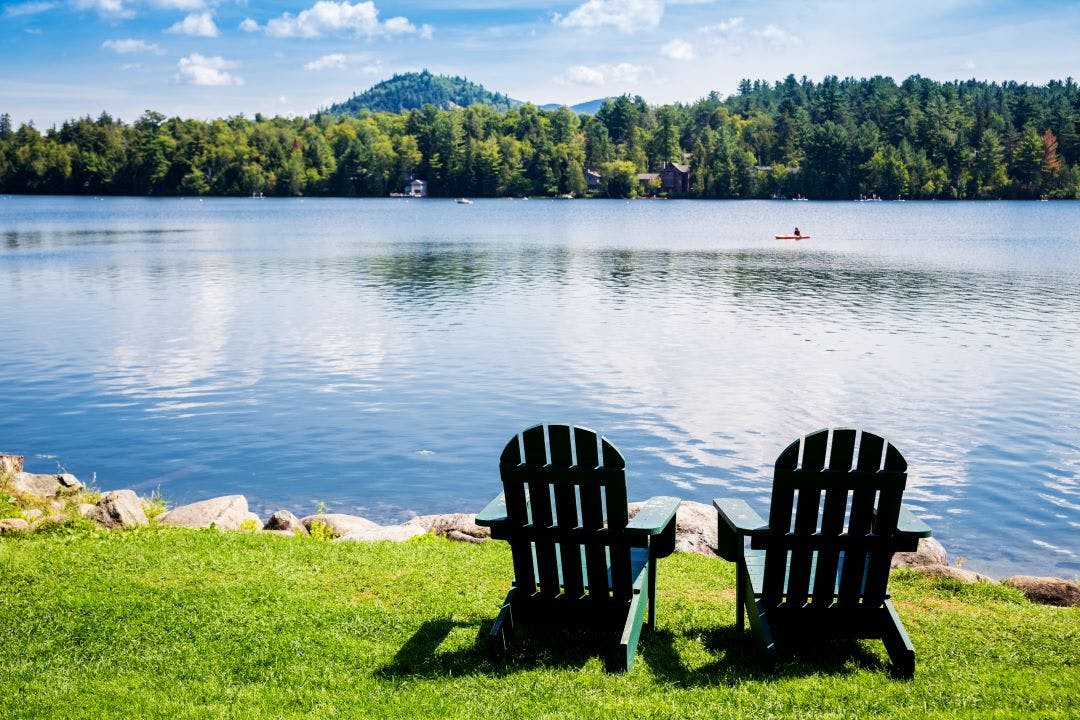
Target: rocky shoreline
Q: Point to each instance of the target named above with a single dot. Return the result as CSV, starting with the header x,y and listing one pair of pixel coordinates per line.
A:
x,y
47,499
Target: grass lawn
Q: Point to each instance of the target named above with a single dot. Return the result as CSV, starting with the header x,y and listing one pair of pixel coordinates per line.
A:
x,y
174,623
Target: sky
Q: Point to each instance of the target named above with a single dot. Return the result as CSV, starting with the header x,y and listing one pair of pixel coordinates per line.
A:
x,y
63,59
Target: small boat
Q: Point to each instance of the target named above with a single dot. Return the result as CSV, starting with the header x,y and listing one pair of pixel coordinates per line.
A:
x,y
464,201
792,237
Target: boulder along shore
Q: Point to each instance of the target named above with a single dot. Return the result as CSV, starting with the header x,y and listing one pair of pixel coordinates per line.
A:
x,y
49,499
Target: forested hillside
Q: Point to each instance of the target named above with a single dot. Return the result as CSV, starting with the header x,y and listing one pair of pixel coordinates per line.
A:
x,y
830,140
412,91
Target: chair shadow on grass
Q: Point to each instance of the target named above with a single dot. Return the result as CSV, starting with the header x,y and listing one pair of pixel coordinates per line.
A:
x,y
733,655
736,657
541,645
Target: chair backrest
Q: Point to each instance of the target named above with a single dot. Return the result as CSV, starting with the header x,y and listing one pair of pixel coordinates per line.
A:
x,y
835,503
558,481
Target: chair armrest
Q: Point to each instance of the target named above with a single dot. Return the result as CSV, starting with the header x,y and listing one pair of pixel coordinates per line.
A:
x,y
654,516
735,520
494,513
908,524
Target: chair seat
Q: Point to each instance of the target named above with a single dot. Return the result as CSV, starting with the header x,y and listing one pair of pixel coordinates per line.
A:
x,y
639,561
755,569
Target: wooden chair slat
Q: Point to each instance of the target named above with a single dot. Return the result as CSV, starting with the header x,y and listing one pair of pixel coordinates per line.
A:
x,y
585,446
842,454
570,552
612,457
832,524
870,452
535,446
559,446
801,557
860,523
814,451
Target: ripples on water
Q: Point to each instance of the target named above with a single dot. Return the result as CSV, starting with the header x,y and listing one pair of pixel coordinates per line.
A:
x,y
376,355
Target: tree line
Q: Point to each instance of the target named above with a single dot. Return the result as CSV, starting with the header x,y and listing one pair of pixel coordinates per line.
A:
x,y
834,139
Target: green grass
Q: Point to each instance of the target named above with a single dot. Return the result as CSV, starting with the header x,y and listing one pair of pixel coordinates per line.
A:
x,y
173,623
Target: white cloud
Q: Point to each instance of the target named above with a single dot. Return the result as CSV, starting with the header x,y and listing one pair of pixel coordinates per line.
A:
x,y
27,8
583,75
777,37
110,8
326,17
197,69
399,25
131,45
196,24
186,5
723,27
249,25
627,16
604,74
335,61
426,31
678,50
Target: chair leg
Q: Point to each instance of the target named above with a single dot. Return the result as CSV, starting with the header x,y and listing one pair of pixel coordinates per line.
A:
x,y
740,593
631,633
651,619
897,644
502,632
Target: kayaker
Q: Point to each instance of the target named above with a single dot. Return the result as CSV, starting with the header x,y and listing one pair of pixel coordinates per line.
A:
x,y
797,233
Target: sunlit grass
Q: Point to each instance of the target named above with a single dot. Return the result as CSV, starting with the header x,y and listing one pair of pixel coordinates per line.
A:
x,y
174,623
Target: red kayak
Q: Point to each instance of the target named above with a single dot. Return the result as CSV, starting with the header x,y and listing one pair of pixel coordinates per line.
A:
x,y
792,237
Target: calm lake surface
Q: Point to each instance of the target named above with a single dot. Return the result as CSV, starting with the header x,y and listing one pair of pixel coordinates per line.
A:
x,y
376,355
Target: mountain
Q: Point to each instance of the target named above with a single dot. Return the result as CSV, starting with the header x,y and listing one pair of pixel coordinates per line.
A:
x,y
589,107
414,90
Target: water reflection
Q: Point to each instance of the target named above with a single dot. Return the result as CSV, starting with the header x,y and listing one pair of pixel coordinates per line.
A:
x,y
372,355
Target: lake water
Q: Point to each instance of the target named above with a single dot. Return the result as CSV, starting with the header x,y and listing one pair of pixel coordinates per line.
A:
x,y
375,355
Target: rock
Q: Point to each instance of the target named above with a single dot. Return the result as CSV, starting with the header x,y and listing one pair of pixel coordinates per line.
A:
x,y
285,521
85,509
10,525
69,481
397,533
340,524
45,486
1046,590
33,513
695,527
459,523
224,513
120,509
955,573
462,537
930,552
10,463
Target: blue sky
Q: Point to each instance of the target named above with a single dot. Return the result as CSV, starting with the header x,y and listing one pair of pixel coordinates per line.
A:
x,y
211,58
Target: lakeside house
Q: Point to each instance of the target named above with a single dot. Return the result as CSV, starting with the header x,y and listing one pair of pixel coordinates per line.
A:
x,y
592,180
416,188
675,178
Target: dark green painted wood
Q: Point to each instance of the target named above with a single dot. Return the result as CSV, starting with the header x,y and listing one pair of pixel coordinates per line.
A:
x,y
810,574
564,512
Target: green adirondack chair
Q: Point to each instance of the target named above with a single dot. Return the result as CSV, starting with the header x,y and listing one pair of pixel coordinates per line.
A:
x,y
571,564
819,568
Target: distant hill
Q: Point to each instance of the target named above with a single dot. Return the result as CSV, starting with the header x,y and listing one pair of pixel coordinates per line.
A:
x,y
589,107
414,90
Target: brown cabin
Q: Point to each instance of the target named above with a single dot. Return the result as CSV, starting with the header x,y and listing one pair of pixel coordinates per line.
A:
x,y
675,178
